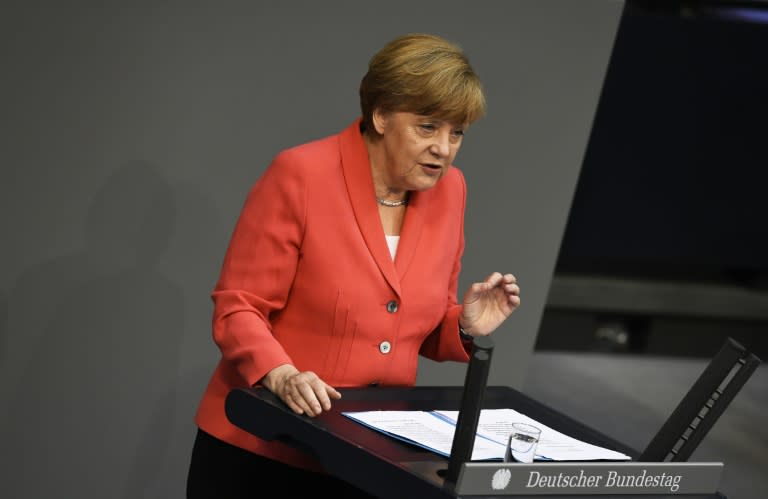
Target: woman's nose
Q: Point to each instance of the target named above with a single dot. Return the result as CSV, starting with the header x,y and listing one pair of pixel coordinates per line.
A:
x,y
441,146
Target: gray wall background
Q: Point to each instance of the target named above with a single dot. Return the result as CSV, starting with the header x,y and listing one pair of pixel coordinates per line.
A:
x,y
130,136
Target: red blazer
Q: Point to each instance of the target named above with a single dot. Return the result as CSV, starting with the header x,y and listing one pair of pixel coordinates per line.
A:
x,y
308,279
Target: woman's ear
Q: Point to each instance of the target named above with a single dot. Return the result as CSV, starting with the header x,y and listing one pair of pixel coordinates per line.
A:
x,y
380,120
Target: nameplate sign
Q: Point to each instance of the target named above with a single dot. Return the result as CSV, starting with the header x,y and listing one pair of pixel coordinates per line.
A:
x,y
493,478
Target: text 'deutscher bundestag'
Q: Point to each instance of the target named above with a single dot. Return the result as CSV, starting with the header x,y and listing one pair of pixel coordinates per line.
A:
x,y
588,478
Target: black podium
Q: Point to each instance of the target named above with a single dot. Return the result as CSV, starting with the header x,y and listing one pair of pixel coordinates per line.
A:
x,y
387,467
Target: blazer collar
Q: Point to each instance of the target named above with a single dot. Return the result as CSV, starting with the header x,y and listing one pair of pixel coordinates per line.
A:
x,y
359,181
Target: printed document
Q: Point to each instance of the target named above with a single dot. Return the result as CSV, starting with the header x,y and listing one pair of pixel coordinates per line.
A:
x,y
434,430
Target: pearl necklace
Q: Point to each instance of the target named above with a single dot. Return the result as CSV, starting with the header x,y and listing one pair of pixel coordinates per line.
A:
x,y
391,204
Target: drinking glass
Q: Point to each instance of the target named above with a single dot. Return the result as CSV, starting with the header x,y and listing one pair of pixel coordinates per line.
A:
x,y
522,443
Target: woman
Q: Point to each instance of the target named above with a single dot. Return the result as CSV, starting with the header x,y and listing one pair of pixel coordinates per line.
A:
x,y
344,263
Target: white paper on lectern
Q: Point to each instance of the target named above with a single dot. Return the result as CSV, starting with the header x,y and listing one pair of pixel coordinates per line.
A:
x,y
434,430
425,429
496,424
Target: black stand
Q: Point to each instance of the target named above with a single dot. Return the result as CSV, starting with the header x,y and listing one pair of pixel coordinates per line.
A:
x,y
471,405
703,404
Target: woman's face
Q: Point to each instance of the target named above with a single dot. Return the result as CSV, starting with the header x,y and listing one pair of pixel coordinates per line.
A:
x,y
415,150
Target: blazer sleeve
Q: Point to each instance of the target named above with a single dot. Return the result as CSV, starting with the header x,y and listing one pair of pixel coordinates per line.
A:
x,y
258,270
444,343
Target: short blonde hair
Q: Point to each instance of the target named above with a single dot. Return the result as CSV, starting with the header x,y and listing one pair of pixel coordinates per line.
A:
x,y
423,74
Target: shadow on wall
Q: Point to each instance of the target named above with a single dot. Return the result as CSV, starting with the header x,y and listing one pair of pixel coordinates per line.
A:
x,y
146,480
3,324
95,350
192,260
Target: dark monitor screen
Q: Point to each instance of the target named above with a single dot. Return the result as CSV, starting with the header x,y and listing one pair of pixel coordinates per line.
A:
x,y
675,178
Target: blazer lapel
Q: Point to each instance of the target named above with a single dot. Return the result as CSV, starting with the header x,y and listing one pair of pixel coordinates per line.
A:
x,y
418,204
357,176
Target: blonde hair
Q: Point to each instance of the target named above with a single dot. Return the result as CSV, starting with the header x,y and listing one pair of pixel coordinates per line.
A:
x,y
422,74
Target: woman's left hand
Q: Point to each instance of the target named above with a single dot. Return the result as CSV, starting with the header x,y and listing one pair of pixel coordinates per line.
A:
x,y
487,304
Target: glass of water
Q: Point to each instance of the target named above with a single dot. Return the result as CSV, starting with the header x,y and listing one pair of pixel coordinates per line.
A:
x,y
522,443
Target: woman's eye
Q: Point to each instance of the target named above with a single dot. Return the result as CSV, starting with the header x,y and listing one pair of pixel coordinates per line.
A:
x,y
427,127
458,133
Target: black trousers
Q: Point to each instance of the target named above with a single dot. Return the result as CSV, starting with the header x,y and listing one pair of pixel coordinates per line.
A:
x,y
218,470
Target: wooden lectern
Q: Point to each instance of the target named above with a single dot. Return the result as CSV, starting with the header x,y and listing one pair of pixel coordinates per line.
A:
x,y
390,468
